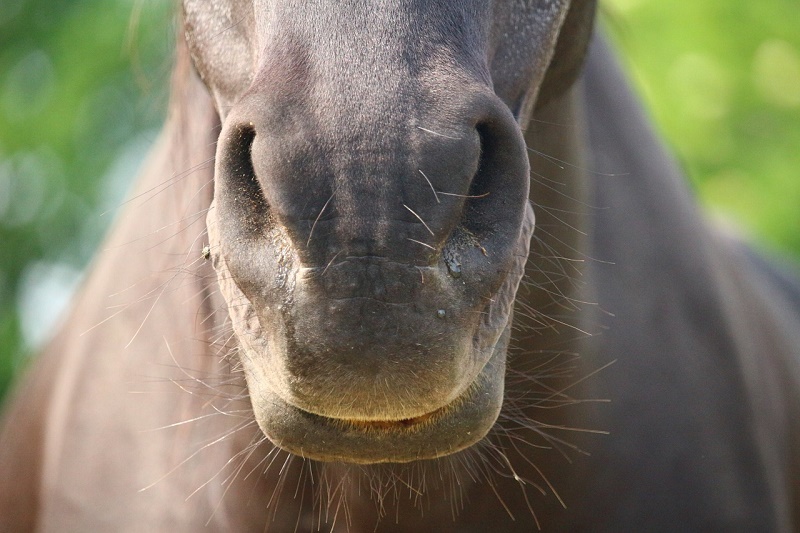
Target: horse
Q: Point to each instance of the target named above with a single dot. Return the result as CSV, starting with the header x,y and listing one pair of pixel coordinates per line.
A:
x,y
410,266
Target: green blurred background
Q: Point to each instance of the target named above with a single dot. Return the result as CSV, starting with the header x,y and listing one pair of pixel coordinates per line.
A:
x,y
83,93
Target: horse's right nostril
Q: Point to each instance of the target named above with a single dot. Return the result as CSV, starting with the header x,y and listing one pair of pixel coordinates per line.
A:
x,y
236,175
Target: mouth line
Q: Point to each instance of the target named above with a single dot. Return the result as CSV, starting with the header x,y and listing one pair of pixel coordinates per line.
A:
x,y
410,424
402,424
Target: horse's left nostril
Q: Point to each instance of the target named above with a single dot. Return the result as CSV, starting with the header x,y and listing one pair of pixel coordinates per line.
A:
x,y
481,187
499,188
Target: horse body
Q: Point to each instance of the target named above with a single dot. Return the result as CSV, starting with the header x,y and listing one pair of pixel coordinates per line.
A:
x,y
703,388
710,350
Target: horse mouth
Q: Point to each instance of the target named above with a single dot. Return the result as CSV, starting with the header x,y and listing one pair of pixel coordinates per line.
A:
x,y
444,431
390,425
403,424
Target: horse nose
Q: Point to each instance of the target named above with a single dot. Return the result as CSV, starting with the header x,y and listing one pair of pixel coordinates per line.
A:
x,y
372,240
399,193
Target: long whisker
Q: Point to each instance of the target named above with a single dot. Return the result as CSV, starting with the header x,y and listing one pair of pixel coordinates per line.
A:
x,y
426,130
420,219
422,243
484,195
435,194
314,225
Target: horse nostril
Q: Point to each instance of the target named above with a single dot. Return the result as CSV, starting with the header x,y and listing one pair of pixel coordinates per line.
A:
x,y
499,188
237,177
239,157
480,189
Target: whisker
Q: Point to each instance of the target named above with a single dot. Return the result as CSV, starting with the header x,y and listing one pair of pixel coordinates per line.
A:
x,y
422,243
314,225
484,195
435,194
559,162
420,219
426,130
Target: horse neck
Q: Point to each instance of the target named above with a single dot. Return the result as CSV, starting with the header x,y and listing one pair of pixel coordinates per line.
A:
x,y
550,298
147,335
683,297
615,223
616,226
553,314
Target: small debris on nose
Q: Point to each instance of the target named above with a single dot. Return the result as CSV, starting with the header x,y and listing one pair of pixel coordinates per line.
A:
x,y
453,266
441,313
206,253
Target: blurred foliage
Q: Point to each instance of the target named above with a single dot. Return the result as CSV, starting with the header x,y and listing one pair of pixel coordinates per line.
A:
x,y
722,81
82,94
